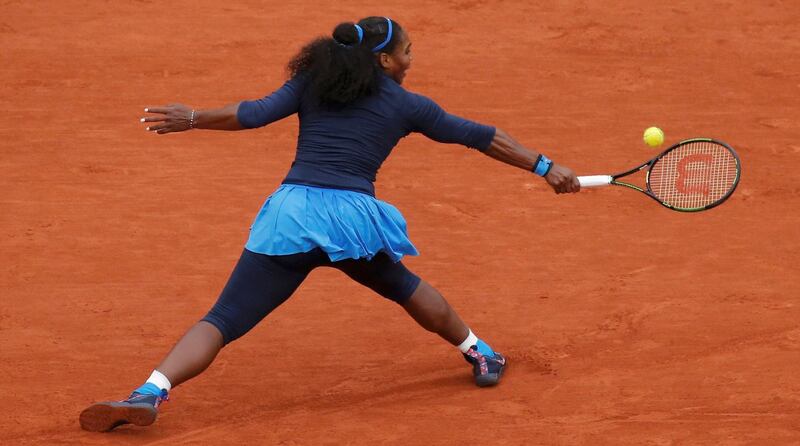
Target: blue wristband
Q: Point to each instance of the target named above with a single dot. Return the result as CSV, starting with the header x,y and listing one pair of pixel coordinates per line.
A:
x,y
542,166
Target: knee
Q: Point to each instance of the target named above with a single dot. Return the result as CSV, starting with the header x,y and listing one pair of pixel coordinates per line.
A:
x,y
219,322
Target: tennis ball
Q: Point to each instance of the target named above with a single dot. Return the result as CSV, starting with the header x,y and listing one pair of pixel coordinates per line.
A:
x,y
653,137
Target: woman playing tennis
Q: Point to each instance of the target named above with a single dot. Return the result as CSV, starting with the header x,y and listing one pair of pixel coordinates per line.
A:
x,y
353,110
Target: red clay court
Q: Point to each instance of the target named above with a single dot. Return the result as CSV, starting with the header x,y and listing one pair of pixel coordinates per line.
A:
x,y
624,323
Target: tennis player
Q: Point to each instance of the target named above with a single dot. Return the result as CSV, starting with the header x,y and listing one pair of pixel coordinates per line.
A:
x,y
353,110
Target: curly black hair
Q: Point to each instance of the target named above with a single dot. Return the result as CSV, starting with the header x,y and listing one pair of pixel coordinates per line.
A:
x,y
342,68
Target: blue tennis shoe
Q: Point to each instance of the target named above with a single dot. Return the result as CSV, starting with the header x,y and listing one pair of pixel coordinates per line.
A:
x,y
140,409
487,366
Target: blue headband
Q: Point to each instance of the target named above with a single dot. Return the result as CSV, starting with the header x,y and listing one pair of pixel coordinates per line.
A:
x,y
388,37
360,33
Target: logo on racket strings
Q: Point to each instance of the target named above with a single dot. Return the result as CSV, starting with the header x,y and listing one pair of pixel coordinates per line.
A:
x,y
694,174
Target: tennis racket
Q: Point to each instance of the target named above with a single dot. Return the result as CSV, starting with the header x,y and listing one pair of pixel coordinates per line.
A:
x,y
691,176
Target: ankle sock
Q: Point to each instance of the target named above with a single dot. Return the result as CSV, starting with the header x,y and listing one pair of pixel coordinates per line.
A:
x,y
472,340
469,342
154,384
161,381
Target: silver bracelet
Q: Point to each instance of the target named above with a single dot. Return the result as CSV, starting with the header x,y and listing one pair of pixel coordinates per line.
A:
x,y
191,120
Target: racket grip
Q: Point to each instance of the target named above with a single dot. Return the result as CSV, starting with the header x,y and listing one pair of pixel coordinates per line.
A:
x,y
595,180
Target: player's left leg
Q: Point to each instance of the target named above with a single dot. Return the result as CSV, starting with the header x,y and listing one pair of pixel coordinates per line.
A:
x,y
258,284
428,308
434,313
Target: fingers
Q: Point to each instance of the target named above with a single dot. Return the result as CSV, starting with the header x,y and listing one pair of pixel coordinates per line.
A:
x,y
160,128
153,119
565,184
576,185
562,180
154,128
163,127
162,110
168,118
570,185
558,182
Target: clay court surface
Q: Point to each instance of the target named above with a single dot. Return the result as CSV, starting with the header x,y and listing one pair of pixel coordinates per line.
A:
x,y
624,322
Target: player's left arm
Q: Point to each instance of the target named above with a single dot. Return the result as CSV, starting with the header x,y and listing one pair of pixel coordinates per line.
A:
x,y
239,116
178,118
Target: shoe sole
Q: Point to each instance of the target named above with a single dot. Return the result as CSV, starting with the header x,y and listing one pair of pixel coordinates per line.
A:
x,y
490,379
103,417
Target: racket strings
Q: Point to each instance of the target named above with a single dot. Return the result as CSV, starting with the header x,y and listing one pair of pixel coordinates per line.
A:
x,y
695,175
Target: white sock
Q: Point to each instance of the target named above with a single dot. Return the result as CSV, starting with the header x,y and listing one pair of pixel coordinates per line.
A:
x,y
159,380
469,342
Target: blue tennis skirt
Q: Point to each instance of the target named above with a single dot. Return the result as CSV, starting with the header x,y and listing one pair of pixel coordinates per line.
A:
x,y
344,224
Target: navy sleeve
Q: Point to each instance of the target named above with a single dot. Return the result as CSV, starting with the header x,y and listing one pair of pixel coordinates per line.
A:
x,y
426,117
278,105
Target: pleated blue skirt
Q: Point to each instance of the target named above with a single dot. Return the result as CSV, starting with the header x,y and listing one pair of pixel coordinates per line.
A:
x,y
344,224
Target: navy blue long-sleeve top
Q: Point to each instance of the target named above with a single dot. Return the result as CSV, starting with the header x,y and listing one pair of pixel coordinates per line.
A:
x,y
345,147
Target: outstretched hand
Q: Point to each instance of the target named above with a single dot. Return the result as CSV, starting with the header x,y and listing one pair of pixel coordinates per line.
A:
x,y
562,180
169,118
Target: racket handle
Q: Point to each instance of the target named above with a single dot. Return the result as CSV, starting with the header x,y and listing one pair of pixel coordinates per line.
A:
x,y
595,180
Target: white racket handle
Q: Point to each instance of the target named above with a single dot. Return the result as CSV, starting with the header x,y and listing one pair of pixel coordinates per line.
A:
x,y
595,180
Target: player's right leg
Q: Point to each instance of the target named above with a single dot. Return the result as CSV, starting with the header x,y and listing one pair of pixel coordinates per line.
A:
x,y
259,284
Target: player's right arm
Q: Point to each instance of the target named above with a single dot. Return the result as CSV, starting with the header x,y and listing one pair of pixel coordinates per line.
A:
x,y
243,115
431,120
506,149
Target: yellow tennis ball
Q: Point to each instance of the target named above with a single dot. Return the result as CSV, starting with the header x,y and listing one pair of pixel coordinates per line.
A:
x,y
653,137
